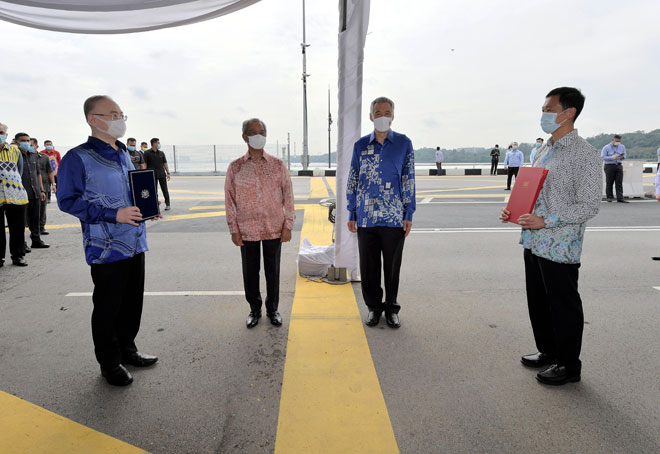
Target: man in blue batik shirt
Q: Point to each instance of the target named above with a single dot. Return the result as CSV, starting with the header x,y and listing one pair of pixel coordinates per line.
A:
x,y
381,203
93,186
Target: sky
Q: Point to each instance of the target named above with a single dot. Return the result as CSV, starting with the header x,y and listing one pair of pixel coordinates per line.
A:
x,y
462,73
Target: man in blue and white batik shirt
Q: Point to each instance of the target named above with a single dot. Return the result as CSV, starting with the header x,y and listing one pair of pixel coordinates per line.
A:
x,y
381,203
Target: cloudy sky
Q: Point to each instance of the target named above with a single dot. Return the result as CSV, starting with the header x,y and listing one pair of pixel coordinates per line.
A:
x,y
195,84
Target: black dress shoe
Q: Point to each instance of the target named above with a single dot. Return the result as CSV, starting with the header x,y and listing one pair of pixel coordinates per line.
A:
x,y
2,263
275,318
19,261
27,248
537,360
372,319
117,376
39,245
557,375
622,201
393,320
138,359
655,258
253,319
610,200
44,232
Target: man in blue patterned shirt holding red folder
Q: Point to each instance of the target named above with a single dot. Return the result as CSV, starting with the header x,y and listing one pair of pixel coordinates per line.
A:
x,y
552,239
381,203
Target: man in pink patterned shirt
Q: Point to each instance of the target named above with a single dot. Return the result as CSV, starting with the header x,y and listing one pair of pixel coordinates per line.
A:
x,y
260,210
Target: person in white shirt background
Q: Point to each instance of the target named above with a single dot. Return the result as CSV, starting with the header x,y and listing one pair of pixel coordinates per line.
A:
x,y
439,157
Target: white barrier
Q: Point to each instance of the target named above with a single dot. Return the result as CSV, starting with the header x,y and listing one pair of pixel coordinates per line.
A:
x,y
633,182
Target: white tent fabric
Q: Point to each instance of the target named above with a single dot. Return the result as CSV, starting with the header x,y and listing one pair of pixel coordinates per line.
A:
x,y
353,25
114,16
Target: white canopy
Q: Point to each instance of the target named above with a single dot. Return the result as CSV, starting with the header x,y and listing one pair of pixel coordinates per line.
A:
x,y
114,16
130,16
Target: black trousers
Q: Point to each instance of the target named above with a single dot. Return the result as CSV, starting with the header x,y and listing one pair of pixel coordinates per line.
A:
x,y
32,218
555,308
493,166
118,295
372,243
251,258
438,165
163,187
42,212
614,174
16,222
511,172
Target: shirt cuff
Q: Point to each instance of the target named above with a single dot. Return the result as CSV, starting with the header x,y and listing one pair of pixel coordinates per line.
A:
x,y
288,224
110,215
551,221
233,228
352,216
407,216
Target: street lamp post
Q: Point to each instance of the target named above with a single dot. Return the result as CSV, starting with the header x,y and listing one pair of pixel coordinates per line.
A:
x,y
304,46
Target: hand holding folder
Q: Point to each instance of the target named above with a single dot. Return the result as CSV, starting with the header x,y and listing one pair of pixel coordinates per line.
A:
x,y
143,192
526,190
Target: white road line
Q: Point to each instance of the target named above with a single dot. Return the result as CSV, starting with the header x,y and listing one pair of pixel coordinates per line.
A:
x,y
649,228
427,200
184,293
657,288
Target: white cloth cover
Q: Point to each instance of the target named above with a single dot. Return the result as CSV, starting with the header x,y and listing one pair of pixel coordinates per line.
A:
x,y
114,16
314,261
349,119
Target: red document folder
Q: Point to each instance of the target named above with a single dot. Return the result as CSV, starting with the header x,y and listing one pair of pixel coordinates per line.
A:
x,y
525,191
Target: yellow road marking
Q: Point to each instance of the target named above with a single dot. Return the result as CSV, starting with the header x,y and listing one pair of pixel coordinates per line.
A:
x,y
27,429
331,398
332,181
178,217
186,191
207,207
318,189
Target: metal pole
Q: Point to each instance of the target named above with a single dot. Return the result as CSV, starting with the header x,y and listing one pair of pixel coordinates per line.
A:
x,y
215,162
304,45
277,148
329,123
174,150
288,150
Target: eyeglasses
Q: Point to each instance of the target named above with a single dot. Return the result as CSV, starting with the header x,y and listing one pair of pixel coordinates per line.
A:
x,y
114,116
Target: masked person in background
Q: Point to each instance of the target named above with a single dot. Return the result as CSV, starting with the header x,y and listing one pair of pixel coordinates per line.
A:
x,y
613,155
48,183
13,201
381,201
94,188
535,150
33,185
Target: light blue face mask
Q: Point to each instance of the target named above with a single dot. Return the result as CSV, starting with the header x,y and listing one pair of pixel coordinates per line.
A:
x,y
549,122
159,146
515,147
49,147
24,146
32,150
131,147
3,139
538,144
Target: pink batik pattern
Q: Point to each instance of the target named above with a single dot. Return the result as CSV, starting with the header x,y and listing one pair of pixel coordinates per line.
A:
x,y
258,198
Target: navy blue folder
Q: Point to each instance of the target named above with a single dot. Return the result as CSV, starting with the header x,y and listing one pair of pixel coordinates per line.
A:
x,y
143,192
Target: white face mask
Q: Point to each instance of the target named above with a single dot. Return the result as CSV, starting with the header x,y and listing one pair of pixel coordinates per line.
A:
x,y
382,124
257,141
116,128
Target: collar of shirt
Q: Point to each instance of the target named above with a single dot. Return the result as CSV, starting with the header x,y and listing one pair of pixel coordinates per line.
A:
x,y
105,150
265,156
565,141
390,136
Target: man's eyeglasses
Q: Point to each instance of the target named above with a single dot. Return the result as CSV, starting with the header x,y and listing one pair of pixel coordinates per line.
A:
x,y
114,116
